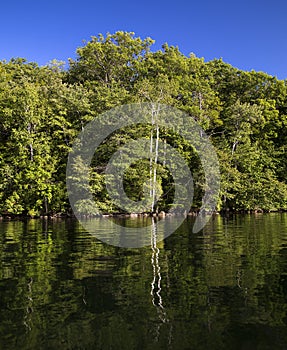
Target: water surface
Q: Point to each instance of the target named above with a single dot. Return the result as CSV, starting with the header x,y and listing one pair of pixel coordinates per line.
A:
x,y
222,288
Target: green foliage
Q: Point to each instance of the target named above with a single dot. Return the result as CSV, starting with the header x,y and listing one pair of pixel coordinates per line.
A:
x,y
42,110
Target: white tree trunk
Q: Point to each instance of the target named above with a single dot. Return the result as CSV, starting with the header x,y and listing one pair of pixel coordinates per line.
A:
x,y
153,158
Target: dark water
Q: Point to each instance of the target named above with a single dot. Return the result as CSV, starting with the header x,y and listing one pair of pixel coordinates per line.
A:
x,y
222,288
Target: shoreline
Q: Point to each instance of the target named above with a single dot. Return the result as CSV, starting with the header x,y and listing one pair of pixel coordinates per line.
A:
x,y
162,214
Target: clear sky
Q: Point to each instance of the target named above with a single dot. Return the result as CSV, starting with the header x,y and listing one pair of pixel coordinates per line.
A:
x,y
247,34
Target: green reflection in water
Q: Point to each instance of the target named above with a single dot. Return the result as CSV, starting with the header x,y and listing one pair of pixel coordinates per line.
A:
x,y
223,288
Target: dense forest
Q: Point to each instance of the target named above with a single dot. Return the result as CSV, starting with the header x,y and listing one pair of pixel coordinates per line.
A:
x,y
43,109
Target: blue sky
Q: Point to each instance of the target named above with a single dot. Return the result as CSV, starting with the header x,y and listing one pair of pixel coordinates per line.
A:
x,y
247,34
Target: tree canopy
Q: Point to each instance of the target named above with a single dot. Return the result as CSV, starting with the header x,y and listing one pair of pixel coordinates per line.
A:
x,y
42,110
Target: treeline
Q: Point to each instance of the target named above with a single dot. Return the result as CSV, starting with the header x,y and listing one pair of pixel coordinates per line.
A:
x,y
43,109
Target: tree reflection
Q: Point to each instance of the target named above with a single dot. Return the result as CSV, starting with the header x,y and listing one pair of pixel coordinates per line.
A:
x,y
222,288
156,288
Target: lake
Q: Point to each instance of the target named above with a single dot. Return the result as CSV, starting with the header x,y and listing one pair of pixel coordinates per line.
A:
x,y
222,288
